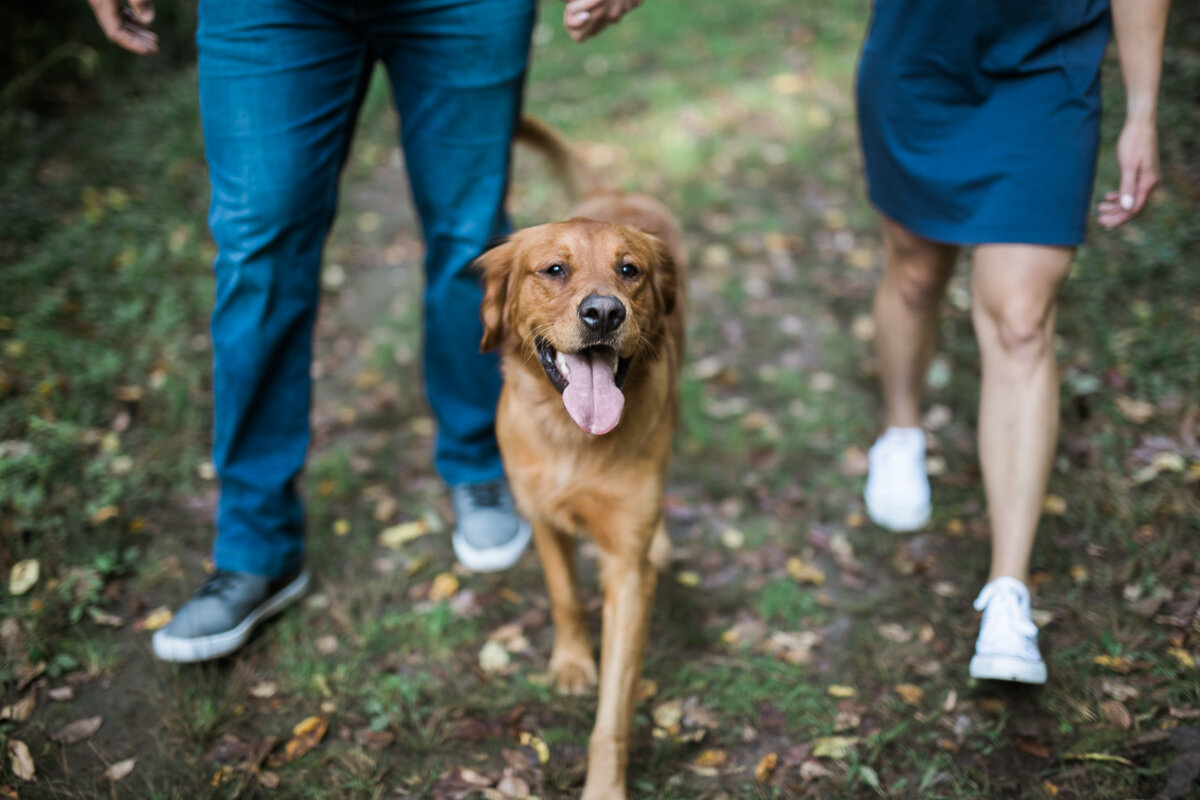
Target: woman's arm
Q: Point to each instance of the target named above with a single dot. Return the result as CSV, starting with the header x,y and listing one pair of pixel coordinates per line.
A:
x,y
1139,27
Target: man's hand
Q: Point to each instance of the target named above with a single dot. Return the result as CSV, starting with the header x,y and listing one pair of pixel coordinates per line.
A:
x,y
1137,156
127,26
583,19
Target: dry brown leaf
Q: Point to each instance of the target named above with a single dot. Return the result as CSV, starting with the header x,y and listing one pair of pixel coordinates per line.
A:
x,y
305,736
1138,412
950,702
493,657
894,632
78,730
991,705
669,714
23,575
20,710
473,778
21,761
102,617
1116,713
512,786
1033,748
766,767
805,572
120,769
911,694
267,779
646,689
846,721
264,690
61,694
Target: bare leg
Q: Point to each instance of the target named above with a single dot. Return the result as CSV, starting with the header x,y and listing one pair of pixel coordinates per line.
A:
x,y
1014,291
915,274
572,667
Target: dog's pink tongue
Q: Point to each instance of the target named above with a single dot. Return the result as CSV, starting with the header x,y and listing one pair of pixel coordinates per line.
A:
x,y
592,397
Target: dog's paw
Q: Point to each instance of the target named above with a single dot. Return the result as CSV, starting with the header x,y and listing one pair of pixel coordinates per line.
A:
x,y
573,674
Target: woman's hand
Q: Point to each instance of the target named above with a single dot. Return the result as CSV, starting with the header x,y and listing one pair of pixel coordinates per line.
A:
x,y
1137,156
585,18
127,26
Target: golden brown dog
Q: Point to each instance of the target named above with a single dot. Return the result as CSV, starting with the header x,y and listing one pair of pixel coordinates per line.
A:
x,y
588,315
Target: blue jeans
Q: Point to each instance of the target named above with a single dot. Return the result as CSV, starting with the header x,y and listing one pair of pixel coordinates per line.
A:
x,y
281,82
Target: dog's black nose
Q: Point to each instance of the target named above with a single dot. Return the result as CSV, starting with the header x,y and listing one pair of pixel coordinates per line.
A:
x,y
602,313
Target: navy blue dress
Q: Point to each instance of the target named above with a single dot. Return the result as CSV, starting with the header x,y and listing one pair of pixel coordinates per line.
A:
x,y
980,119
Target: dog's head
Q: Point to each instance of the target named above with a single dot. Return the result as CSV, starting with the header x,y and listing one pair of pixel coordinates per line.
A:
x,y
587,300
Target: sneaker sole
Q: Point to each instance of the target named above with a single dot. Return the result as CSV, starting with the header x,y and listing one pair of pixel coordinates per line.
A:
x,y
492,559
897,523
182,650
1008,668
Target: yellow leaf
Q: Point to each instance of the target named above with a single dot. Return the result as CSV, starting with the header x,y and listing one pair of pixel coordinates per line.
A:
x,y
838,690
835,747
225,773
766,767
1078,573
341,527
306,735
712,759
805,572
1054,505
1099,757
1112,662
646,689
443,588
1050,788
397,536
911,694
23,576
104,514
1183,657
688,578
154,620
668,715
539,747
787,83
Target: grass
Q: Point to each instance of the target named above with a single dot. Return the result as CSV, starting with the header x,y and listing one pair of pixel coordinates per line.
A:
x,y
741,118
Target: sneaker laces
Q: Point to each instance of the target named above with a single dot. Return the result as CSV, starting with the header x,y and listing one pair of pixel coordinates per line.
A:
x,y
899,449
217,584
1005,606
486,495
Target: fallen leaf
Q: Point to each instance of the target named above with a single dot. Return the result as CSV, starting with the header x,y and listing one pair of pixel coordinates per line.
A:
x,y
732,538
813,770
1078,573
102,617
688,578
23,576
950,702
804,572
20,710
846,721
1138,412
21,761
307,734
539,746
1098,757
894,632
714,759
911,694
473,778
1054,505
397,536
154,620
1117,714
78,730
1033,748
1050,788
120,769
61,694
267,779
991,705
646,689
104,514
493,657
766,767
444,586
668,715
838,690
512,786
264,690
1184,658
835,747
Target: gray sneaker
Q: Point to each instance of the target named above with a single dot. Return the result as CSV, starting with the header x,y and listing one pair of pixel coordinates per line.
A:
x,y
489,535
223,613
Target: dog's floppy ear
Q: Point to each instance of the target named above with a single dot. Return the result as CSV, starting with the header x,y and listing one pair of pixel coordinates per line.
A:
x,y
496,266
666,279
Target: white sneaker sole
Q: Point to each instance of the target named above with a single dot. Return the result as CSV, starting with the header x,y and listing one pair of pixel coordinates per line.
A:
x,y
1008,668
492,559
897,521
184,650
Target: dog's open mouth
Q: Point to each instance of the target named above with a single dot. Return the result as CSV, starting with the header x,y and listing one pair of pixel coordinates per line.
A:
x,y
590,382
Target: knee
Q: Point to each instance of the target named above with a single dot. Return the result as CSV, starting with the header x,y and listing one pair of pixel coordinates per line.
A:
x,y
257,215
917,281
1016,327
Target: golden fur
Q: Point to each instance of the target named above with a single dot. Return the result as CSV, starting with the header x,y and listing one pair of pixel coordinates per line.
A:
x,y
569,482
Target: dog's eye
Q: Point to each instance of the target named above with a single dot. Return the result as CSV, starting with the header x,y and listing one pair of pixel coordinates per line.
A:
x,y
629,271
555,270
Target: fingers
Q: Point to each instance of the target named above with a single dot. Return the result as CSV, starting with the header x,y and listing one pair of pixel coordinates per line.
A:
x,y
586,18
143,11
123,29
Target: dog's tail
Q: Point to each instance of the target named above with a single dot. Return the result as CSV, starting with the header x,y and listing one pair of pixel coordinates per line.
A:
x,y
581,180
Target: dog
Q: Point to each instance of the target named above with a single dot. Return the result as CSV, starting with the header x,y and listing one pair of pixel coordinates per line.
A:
x,y
588,317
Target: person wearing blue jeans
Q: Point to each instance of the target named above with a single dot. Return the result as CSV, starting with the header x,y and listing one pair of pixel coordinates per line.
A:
x,y
281,83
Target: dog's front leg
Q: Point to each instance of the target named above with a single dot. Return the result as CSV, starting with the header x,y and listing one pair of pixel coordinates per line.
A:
x,y
572,667
628,596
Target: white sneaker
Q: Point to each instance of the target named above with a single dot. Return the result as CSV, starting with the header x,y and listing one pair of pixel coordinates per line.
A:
x,y
897,493
1006,649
